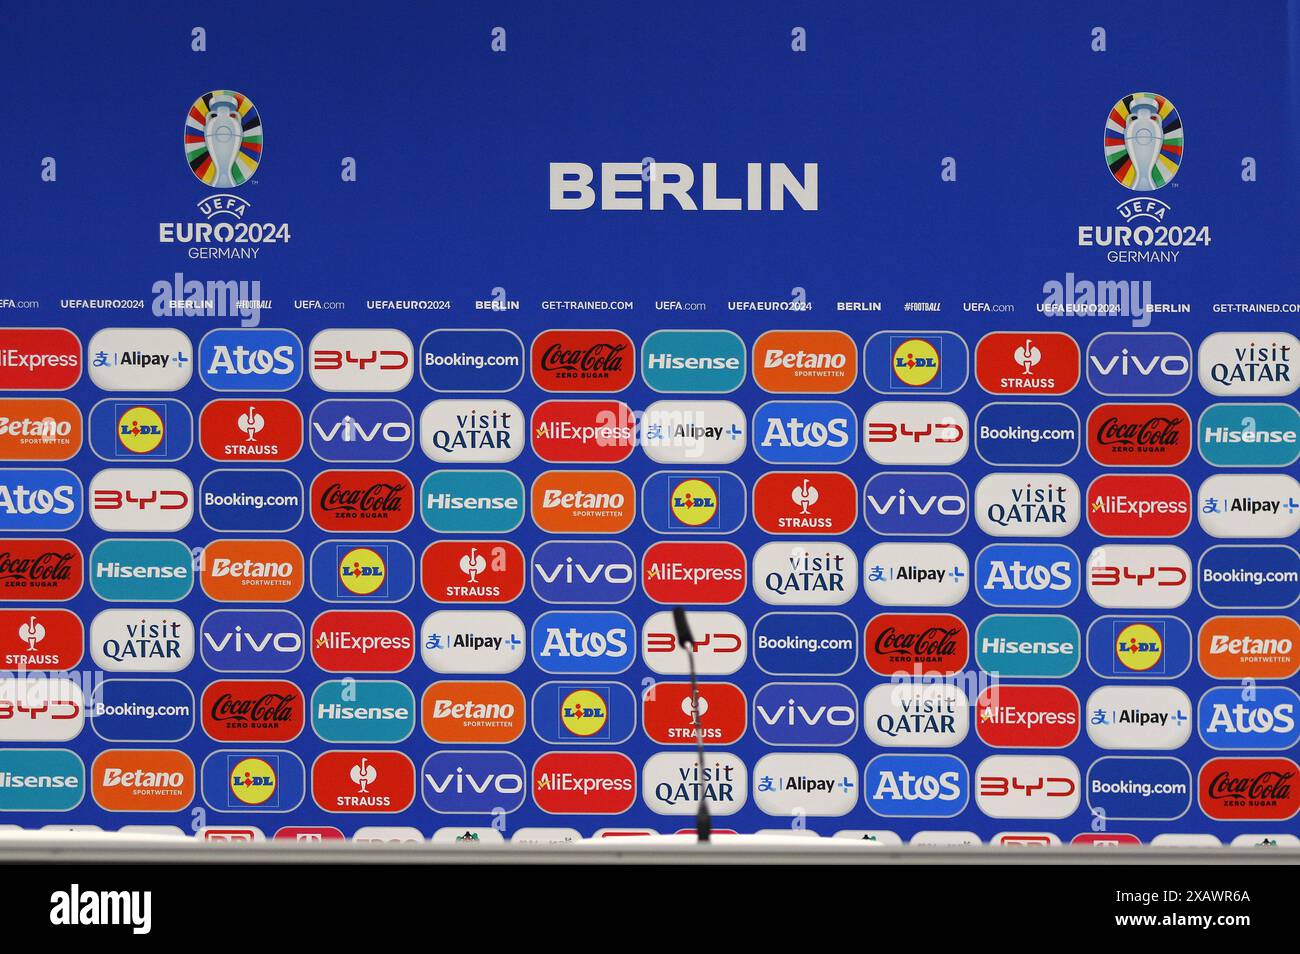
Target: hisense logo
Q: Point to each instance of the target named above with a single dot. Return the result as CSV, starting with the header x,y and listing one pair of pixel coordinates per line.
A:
x,y
636,186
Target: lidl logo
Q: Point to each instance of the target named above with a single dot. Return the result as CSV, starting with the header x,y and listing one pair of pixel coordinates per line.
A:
x,y
138,430
694,502
362,571
703,502
253,781
583,713
931,361
1139,647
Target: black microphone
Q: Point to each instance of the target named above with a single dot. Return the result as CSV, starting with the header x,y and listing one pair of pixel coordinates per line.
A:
x,y
703,820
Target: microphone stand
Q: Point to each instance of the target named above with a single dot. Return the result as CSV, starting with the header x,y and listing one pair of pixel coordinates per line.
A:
x,y
703,818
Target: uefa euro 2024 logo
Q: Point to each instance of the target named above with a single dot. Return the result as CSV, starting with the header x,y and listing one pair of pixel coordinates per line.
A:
x,y
1144,142
223,139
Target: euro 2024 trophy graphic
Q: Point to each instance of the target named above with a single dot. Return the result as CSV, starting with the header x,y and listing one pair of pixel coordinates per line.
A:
x,y
223,139
1144,141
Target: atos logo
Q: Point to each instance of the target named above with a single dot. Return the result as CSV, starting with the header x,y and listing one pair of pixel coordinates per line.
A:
x,y
579,360
805,713
39,429
250,501
1014,362
583,571
1261,718
805,362
472,359
1033,435
693,573
583,432
362,641
53,780
1139,788
933,362
473,783
804,644
1230,576
915,432
1028,646
474,571
39,359
39,500
1249,435
152,571
586,713
1139,577
253,710
361,359
805,432
1249,364
1027,574
349,782
1027,717
693,361
916,644
161,430
1146,505
475,712
1249,789
1139,435
252,640
362,571
267,429
366,711
250,359
584,783
142,710
362,501
898,503
1249,647
362,431
699,502
40,640
667,713
1139,364
821,502
721,644
472,501
246,780
583,642
252,571
1027,786
1139,647
916,786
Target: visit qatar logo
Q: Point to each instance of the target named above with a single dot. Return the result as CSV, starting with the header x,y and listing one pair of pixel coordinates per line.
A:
x,y
223,139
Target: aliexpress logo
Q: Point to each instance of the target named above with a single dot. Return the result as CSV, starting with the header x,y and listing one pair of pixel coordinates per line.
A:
x,y
584,783
699,573
142,780
356,641
472,571
1139,435
583,501
1139,505
583,432
666,709
39,429
805,502
478,712
363,782
39,359
1029,717
1249,647
805,362
362,501
252,571
253,710
260,429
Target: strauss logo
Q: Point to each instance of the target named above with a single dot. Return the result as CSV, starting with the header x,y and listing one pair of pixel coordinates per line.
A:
x,y
363,774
